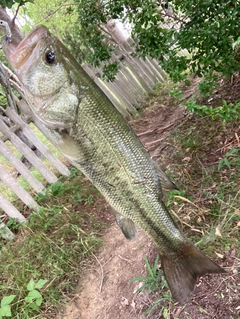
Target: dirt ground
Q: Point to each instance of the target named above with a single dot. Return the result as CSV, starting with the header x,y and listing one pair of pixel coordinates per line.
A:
x,y
105,290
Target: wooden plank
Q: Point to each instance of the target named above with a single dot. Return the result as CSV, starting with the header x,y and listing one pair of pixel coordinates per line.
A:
x,y
5,232
17,189
21,168
28,153
10,210
112,92
38,144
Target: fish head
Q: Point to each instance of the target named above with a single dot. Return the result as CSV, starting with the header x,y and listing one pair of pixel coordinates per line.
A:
x,y
44,68
35,61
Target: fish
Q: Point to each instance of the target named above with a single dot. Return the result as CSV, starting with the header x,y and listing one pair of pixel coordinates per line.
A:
x,y
84,125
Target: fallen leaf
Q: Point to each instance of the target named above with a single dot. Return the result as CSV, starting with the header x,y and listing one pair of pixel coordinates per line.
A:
x,y
124,301
217,232
237,212
133,304
219,255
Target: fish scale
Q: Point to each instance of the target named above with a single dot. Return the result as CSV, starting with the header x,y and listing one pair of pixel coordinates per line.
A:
x,y
111,155
84,125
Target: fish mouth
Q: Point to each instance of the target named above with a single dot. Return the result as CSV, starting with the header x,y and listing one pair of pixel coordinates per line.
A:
x,y
22,55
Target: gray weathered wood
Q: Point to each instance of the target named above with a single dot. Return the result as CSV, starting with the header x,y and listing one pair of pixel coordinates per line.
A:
x,y
27,152
21,168
38,144
10,210
5,232
17,189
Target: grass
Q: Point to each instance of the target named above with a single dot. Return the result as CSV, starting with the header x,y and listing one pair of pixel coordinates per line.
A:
x,y
156,283
211,187
55,245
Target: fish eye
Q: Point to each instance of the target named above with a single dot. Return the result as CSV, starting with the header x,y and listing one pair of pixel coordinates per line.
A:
x,y
50,56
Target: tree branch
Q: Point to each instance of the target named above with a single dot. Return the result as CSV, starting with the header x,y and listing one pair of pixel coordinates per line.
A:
x,y
53,12
16,36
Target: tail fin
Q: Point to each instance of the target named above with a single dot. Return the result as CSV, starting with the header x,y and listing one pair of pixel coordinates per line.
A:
x,y
182,269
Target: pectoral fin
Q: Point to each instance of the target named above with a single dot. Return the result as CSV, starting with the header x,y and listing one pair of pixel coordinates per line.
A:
x,y
126,225
68,146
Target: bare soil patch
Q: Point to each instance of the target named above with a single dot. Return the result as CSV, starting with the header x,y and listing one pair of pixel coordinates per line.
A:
x,y
105,290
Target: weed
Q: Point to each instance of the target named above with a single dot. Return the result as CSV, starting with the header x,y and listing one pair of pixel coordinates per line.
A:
x,y
5,307
173,195
32,301
151,282
13,224
74,172
34,298
177,94
155,281
207,85
226,111
228,160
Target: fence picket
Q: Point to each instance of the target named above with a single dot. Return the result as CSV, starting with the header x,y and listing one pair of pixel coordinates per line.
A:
x,y
28,153
17,189
10,210
5,232
21,168
38,144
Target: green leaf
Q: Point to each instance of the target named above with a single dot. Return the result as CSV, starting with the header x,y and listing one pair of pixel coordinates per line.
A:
x,y
28,299
165,313
30,285
149,269
40,283
39,301
34,294
34,306
6,311
142,278
7,300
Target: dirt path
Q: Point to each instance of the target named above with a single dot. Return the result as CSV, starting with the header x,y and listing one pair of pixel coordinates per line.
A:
x,y
106,291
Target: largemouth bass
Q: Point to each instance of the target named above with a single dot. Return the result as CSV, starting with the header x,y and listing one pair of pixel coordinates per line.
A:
x,y
85,126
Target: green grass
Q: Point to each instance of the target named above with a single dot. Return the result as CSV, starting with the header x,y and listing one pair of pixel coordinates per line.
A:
x,y
56,244
210,180
156,283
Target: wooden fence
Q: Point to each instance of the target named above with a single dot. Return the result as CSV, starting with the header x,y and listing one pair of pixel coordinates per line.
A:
x,y
22,139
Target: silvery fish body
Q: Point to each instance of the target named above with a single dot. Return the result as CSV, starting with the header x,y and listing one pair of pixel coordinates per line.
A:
x,y
84,125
